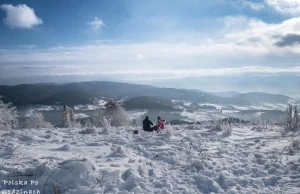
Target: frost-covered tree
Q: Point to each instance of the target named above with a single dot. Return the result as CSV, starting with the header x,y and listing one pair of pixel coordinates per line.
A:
x,y
8,116
296,118
217,120
262,122
113,112
36,121
68,118
289,113
292,118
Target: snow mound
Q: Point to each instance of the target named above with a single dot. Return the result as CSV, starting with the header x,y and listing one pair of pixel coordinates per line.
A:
x,y
206,184
68,176
198,164
84,170
87,131
64,148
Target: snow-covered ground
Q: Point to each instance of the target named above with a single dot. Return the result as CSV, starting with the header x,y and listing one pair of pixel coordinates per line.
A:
x,y
198,115
37,108
136,114
100,104
260,106
81,116
182,159
30,109
218,106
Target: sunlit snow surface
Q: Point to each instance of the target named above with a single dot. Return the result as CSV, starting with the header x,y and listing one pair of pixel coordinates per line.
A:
x,y
182,159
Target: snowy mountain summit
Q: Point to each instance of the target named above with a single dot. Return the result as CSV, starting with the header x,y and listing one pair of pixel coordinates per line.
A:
x,y
181,159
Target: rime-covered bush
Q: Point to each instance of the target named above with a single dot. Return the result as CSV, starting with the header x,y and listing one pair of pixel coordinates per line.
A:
x,y
106,124
68,119
8,116
217,121
227,130
113,112
87,123
217,124
292,118
220,124
36,121
294,147
260,120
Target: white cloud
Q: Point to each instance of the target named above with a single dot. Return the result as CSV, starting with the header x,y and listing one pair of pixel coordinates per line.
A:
x,y
251,5
267,36
20,16
285,6
247,45
120,56
182,73
140,56
236,23
146,74
96,23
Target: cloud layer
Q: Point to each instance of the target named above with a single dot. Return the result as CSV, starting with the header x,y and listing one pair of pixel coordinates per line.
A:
x,y
20,16
291,7
242,45
245,42
251,5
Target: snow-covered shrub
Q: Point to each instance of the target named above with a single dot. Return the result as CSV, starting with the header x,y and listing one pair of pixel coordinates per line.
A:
x,y
260,121
294,147
217,124
217,121
114,112
220,124
292,122
86,123
36,121
227,130
288,112
105,123
263,123
68,119
8,116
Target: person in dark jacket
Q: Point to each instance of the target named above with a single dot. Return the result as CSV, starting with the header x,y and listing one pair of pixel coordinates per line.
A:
x,y
147,124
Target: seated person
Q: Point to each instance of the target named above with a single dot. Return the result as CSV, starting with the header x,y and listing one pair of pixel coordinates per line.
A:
x,y
147,124
160,123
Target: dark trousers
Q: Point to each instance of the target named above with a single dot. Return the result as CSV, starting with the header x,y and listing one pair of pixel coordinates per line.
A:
x,y
154,128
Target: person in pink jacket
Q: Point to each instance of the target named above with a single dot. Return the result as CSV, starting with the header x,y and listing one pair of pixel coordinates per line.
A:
x,y
160,123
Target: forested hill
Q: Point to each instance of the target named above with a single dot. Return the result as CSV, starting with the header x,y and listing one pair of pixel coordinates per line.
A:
x,y
85,92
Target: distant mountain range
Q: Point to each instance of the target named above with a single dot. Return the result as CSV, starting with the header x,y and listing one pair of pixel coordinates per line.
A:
x,y
286,84
283,83
228,94
136,95
149,103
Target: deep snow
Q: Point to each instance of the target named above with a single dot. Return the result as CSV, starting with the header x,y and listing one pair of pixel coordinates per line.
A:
x,y
182,159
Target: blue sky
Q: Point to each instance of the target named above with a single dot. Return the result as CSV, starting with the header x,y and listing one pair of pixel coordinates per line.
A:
x,y
66,22
142,40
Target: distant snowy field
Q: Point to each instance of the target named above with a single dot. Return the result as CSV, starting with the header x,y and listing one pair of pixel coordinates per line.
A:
x,y
52,113
182,159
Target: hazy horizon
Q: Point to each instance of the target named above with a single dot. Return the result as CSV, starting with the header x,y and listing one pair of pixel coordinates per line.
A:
x,y
240,84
